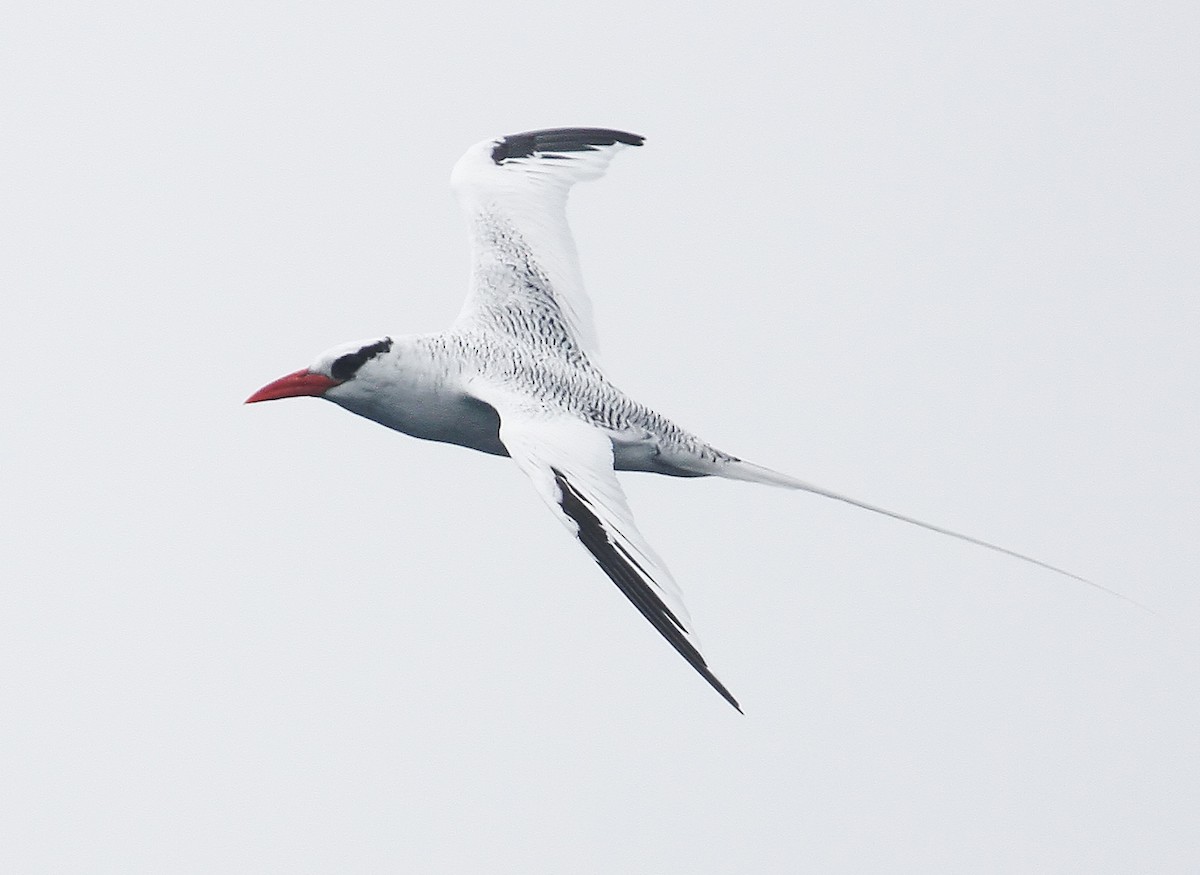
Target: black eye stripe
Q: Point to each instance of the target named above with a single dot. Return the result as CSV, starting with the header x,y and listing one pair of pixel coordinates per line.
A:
x,y
344,368
347,366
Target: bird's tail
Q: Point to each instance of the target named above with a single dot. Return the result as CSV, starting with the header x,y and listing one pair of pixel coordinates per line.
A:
x,y
739,470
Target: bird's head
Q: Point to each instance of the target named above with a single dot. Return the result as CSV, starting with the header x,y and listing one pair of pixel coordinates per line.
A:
x,y
334,368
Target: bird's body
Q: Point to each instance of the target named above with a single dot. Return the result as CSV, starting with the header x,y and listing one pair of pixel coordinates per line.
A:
x,y
425,389
518,373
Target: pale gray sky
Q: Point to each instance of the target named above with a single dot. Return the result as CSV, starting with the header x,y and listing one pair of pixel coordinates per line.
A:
x,y
943,259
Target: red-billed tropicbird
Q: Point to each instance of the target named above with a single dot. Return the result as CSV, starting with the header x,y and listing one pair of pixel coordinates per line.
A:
x,y
518,375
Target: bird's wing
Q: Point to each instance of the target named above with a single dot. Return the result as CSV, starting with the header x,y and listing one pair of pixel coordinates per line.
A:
x,y
571,466
525,277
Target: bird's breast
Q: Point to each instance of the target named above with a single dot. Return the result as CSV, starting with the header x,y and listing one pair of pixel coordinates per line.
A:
x,y
441,415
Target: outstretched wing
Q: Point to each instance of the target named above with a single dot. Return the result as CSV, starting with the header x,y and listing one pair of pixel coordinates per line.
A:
x,y
525,277
571,466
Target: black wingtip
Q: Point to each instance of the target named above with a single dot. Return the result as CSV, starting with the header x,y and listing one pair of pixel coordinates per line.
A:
x,y
720,688
560,140
730,699
628,576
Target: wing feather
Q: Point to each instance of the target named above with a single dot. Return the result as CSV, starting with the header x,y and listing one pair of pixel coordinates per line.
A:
x,y
525,277
571,466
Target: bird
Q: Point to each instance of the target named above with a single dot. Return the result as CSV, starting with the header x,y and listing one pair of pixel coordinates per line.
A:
x,y
518,374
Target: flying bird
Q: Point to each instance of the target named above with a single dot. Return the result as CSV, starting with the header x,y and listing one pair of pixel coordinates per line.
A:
x,y
518,374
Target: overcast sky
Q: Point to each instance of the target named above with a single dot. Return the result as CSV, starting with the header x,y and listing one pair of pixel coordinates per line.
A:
x,y
944,260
